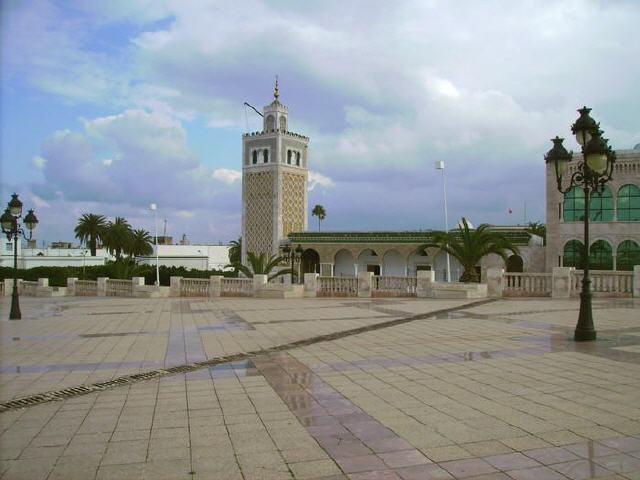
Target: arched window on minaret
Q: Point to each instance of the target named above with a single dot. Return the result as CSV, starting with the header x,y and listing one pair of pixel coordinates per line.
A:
x,y
271,123
283,124
289,152
265,155
298,159
255,157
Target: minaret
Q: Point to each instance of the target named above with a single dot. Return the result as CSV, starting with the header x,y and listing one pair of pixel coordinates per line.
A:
x,y
274,182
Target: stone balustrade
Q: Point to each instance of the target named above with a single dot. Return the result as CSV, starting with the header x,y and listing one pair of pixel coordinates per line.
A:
x,y
562,282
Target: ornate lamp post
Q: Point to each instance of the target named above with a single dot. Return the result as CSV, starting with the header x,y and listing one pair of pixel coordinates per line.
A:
x,y
294,256
591,175
13,231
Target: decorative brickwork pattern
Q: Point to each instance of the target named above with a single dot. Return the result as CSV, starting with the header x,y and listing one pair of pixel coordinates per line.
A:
x,y
259,211
293,191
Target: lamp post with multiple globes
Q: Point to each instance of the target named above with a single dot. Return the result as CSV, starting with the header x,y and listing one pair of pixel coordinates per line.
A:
x,y
13,230
590,175
294,256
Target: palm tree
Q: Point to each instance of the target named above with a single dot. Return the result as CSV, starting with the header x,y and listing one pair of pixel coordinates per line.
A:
x,y
469,245
319,211
261,265
140,243
235,253
118,237
90,229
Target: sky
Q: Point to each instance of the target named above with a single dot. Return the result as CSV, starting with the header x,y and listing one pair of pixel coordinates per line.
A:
x,y
107,107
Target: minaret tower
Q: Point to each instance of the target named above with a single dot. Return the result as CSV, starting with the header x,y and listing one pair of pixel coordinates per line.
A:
x,y
274,182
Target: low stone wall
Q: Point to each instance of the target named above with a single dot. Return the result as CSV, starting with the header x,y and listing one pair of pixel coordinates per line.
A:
x,y
560,283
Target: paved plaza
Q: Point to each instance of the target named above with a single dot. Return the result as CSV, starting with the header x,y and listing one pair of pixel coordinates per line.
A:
x,y
318,389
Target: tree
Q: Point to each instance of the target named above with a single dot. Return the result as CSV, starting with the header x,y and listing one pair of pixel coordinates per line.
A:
x,y
90,229
140,243
539,229
235,253
469,246
319,211
117,237
261,265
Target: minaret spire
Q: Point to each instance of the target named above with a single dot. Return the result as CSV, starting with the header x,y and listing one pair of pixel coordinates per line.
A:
x,y
276,92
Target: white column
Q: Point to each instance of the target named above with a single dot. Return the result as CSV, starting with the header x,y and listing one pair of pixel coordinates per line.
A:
x,y
215,285
365,283
495,282
102,286
311,284
174,286
71,286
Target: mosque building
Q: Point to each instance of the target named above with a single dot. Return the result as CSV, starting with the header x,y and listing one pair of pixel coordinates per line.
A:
x,y
275,169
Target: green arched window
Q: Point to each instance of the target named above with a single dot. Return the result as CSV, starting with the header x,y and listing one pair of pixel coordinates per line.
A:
x,y
574,205
629,203
601,255
628,255
572,256
601,206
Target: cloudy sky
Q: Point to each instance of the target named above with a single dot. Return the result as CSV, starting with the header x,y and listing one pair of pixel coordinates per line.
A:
x,y
109,106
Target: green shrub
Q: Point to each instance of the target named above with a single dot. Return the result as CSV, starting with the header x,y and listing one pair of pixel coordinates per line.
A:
x,y
58,275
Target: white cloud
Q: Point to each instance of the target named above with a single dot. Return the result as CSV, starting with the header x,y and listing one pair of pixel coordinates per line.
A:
x,y
226,175
39,202
185,214
442,87
107,162
316,178
39,162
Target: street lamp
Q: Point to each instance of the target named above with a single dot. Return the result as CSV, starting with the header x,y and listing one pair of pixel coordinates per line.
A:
x,y
154,208
293,255
591,175
13,231
440,166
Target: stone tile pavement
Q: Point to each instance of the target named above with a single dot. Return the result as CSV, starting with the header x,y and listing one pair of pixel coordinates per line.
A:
x,y
496,391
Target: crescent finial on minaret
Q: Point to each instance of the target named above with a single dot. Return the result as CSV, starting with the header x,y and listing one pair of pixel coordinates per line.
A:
x,y
276,92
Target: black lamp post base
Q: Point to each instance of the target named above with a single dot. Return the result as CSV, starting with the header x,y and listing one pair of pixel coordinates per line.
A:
x,y
15,310
585,332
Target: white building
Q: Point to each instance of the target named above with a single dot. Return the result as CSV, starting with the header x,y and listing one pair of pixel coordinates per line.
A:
x,y
199,257
51,257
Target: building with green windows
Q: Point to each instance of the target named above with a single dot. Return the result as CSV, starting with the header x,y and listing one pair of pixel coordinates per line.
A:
x,y
614,219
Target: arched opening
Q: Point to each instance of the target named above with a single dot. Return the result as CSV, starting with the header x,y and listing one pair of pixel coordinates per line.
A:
x,y
283,124
629,203
297,159
418,260
573,206
515,264
270,123
572,254
369,261
440,267
601,255
601,206
344,266
628,255
254,155
310,261
393,264
289,153
265,155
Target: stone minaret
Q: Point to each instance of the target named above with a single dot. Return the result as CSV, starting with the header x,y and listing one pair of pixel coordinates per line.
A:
x,y
274,182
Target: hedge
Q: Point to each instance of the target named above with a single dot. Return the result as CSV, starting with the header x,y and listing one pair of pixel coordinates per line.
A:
x,y
58,275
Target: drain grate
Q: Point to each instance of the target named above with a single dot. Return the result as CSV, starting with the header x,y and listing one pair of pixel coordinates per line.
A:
x,y
100,335
138,377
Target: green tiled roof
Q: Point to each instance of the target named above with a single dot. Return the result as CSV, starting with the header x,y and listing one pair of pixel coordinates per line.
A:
x,y
517,235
